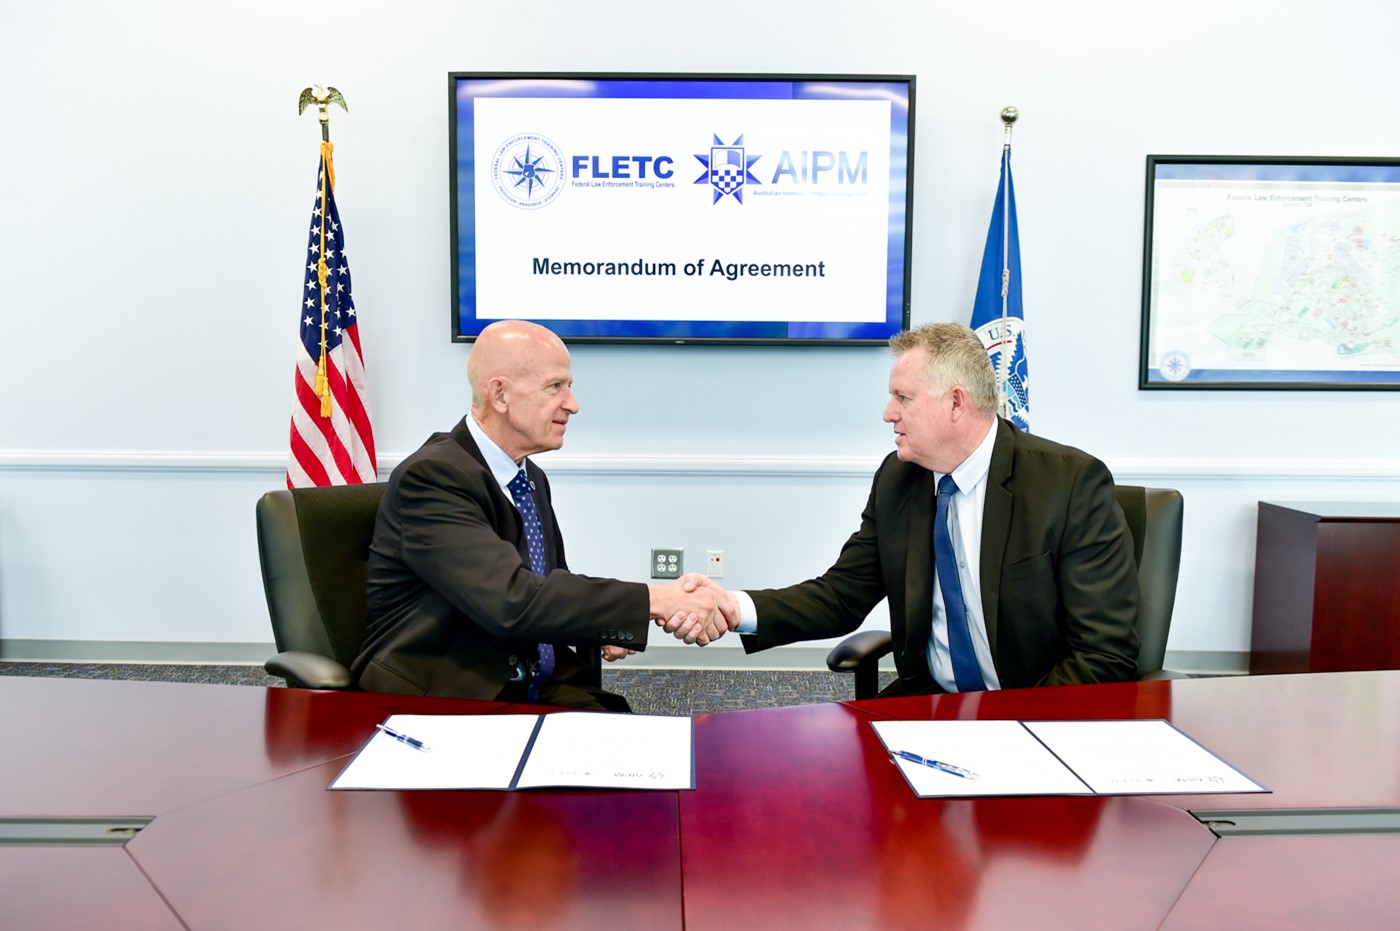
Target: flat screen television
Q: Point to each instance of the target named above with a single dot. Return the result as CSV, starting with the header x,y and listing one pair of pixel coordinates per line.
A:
x,y
683,208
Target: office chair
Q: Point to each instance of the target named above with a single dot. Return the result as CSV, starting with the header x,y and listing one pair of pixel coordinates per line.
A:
x,y
314,547
1154,518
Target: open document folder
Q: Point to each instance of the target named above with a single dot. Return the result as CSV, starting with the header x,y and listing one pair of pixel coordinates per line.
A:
x,y
1136,757
523,751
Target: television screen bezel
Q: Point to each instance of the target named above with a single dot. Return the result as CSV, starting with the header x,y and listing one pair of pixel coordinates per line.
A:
x,y
453,79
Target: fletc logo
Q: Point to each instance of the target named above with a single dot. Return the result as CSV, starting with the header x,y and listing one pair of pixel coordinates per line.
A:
x,y
727,169
528,171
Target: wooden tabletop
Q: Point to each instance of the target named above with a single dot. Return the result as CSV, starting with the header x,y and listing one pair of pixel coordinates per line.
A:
x,y
798,818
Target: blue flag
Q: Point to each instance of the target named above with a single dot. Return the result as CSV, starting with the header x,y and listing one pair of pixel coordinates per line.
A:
x,y
998,290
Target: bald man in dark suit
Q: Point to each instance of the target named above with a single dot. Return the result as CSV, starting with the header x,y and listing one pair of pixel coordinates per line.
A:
x,y
469,592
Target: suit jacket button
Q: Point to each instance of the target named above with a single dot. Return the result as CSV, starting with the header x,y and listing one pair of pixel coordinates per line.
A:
x,y
512,661
629,635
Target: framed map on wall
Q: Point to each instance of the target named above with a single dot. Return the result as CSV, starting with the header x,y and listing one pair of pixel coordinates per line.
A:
x,y
1271,273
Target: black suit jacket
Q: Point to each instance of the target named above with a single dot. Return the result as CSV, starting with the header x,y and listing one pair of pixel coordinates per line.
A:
x,y
1059,585
453,603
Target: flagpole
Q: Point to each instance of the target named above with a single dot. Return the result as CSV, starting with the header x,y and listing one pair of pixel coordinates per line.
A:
x,y
1009,115
323,97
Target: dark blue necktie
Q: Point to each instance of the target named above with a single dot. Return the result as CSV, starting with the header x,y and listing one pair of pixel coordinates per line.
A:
x,y
966,673
534,539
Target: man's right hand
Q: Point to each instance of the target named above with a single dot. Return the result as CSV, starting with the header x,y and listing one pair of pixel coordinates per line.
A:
x,y
692,611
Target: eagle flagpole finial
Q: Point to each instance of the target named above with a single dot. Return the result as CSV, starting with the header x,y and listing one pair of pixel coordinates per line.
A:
x,y
322,97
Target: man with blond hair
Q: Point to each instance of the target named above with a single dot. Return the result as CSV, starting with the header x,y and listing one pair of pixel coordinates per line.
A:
x,y
469,593
1005,557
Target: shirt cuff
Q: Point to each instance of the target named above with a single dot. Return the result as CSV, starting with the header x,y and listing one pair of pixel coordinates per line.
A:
x,y
748,614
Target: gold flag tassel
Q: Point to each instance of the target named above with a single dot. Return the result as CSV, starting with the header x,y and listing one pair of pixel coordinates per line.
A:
x,y
323,385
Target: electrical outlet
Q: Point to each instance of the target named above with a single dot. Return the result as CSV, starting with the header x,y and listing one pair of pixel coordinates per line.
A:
x,y
714,563
667,562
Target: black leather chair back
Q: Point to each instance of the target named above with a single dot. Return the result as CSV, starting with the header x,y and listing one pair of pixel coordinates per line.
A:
x,y
1154,518
314,547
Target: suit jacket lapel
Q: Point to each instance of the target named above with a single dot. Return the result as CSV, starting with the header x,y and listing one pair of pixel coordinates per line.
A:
x,y
515,529
996,525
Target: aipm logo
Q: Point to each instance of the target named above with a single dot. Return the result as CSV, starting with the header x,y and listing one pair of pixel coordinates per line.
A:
x,y
727,169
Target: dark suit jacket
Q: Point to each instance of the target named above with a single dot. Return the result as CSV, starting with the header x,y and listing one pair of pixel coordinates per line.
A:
x,y
453,603
1059,586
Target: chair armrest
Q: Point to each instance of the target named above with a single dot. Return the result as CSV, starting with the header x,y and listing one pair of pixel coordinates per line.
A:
x,y
1160,674
864,647
860,653
304,670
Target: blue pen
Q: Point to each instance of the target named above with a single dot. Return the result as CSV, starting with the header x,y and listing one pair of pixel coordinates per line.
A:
x,y
415,744
942,767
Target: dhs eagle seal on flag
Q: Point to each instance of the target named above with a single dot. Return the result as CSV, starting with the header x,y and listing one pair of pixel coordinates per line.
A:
x,y
727,169
998,316
1006,340
528,171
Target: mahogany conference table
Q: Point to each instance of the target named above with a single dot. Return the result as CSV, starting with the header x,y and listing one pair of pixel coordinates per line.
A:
x,y
824,831
245,835
798,819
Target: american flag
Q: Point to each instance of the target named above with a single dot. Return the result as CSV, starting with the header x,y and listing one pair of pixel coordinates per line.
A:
x,y
332,443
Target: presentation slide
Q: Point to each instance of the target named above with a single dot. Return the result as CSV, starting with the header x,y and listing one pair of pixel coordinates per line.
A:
x,y
709,209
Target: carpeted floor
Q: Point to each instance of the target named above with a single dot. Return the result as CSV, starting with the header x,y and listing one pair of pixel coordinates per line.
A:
x,y
649,691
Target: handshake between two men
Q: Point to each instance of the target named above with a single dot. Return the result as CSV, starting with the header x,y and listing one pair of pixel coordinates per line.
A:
x,y
695,609
1052,541
692,609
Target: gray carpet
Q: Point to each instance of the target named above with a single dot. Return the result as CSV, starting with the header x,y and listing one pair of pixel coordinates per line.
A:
x,y
649,691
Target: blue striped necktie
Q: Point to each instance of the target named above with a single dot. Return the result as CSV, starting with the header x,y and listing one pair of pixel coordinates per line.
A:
x,y
966,672
534,539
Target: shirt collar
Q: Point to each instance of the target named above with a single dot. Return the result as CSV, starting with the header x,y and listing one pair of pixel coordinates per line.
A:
x,y
503,468
974,468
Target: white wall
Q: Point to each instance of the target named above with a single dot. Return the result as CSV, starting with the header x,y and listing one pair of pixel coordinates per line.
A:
x,y
155,183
